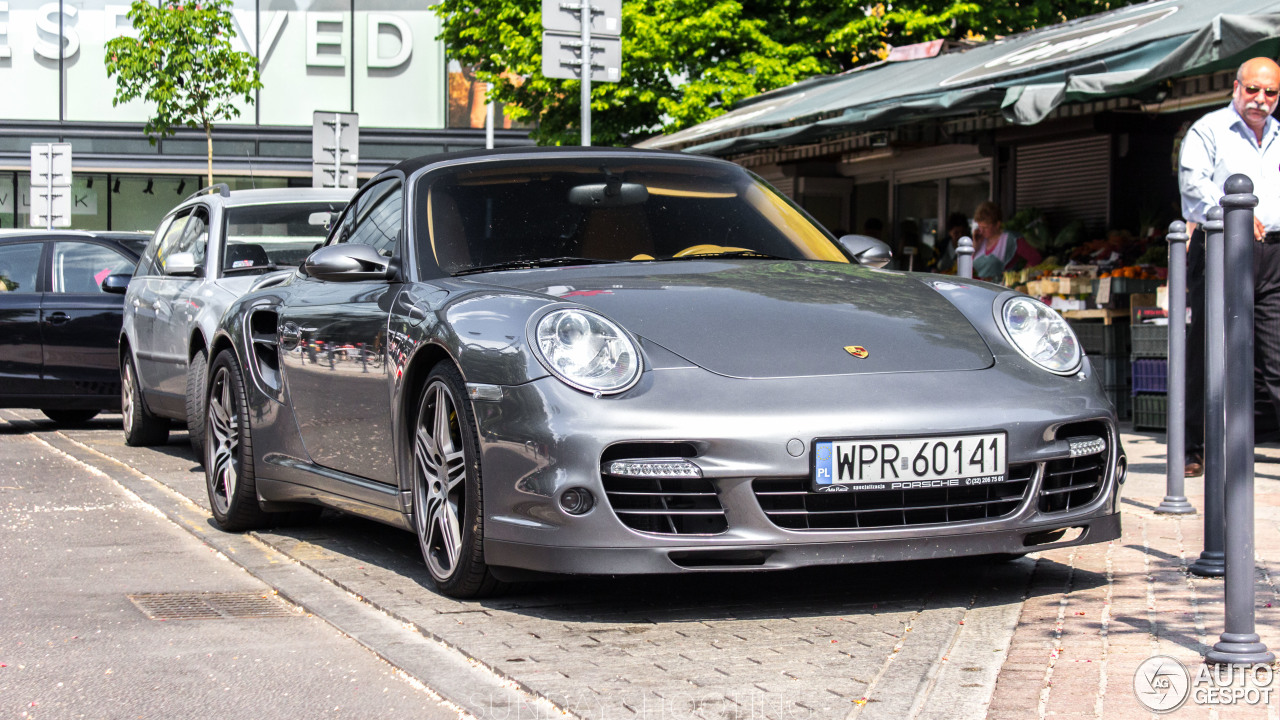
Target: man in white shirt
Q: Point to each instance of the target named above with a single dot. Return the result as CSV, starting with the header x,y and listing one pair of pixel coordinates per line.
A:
x,y
1239,138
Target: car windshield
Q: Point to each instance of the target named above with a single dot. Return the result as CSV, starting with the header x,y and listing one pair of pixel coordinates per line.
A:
x,y
275,235
532,213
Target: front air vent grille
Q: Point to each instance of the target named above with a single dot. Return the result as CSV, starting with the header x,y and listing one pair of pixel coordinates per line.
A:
x,y
672,506
790,504
1072,483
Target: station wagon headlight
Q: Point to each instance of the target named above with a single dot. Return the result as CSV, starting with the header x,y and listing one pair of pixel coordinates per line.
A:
x,y
587,351
1040,333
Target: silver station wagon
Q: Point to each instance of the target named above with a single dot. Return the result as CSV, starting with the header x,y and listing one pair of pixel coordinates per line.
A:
x,y
209,250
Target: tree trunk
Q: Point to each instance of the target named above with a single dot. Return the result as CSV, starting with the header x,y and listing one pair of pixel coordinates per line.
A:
x,y
208,140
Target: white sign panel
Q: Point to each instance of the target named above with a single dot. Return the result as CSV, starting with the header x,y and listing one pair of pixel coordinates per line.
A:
x,y
562,57
563,16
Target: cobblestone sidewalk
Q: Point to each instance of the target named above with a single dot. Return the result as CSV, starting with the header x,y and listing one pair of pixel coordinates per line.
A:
x,y
1096,612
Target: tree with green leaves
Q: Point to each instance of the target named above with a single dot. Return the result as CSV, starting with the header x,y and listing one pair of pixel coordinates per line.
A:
x,y
183,63
687,61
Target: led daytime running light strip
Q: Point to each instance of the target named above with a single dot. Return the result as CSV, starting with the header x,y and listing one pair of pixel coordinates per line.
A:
x,y
658,468
1087,446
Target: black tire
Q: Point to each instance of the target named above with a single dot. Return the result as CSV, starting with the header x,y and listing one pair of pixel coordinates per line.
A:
x,y
141,428
197,377
228,462
448,512
69,417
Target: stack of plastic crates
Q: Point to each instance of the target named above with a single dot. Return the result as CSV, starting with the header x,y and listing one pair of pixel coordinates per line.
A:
x,y
1150,376
1108,350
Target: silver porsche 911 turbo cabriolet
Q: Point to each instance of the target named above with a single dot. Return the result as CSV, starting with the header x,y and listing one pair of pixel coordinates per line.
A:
x,y
606,361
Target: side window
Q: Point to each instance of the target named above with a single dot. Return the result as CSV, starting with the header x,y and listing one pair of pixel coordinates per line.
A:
x,y
195,238
149,264
80,267
19,267
377,218
171,239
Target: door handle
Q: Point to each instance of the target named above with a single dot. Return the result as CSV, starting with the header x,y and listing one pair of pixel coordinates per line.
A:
x,y
58,318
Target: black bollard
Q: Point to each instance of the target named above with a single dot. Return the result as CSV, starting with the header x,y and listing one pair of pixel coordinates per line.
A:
x,y
1239,644
964,257
1175,499
1211,562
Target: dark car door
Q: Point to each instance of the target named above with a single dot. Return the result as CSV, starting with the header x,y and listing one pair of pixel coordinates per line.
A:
x,y
80,322
20,296
336,376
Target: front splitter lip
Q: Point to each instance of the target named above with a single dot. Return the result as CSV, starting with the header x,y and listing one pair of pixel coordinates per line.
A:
x,y
758,557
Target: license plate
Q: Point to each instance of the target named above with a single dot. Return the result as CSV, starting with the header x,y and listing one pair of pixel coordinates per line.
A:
x,y
909,463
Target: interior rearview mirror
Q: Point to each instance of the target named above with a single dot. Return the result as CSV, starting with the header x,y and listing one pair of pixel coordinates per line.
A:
x,y
613,193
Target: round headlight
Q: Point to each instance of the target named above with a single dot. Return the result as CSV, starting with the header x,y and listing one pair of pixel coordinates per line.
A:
x,y
587,351
1041,335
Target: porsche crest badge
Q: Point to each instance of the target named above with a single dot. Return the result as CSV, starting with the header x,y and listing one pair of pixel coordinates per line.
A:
x,y
856,350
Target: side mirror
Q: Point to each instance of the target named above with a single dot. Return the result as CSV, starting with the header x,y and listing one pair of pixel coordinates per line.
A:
x,y
116,284
181,264
867,250
346,262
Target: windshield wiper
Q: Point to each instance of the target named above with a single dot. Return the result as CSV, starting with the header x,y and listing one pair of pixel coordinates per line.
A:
x,y
536,263
729,254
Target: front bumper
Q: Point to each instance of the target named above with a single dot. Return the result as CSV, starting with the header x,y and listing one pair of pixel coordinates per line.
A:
x,y
543,437
710,558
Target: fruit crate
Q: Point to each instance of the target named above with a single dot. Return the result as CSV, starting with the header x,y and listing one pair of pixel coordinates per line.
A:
x,y
1149,340
1150,375
1097,338
1130,286
1151,411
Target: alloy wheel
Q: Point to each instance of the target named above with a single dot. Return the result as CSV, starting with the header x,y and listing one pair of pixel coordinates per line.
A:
x,y
222,451
440,471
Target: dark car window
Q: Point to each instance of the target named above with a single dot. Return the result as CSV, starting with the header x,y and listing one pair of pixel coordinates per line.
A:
x,y
642,210
80,267
377,218
276,234
149,264
19,267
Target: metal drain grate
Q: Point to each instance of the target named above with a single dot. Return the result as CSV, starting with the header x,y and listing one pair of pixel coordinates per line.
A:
x,y
209,606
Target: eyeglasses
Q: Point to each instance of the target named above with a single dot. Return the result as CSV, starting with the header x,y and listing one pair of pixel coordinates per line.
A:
x,y
1254,89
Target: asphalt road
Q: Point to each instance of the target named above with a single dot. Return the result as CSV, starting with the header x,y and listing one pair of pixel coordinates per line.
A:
x,y
894,640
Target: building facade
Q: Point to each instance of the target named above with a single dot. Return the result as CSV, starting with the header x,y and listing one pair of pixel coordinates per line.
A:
x,y
377,58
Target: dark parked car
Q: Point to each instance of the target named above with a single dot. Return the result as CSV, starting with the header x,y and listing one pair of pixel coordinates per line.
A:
x,y
59,326
603,361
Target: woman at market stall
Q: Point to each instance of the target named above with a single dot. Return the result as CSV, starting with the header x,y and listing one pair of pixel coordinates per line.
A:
x,y
996,249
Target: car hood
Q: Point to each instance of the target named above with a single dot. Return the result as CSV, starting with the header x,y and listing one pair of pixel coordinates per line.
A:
x,y
770,319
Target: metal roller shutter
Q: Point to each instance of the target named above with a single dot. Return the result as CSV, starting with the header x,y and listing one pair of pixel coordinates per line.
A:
x,y
1066,180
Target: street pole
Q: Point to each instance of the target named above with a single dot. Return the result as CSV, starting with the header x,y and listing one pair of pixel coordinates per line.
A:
x,y
337,150
1175,499
48,178
1239,644
964,257
488,120
1212,560
584,10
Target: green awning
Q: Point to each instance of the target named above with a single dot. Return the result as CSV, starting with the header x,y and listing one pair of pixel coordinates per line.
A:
x,y
1123,53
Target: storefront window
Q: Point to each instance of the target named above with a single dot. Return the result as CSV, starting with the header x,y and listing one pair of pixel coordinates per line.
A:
x,y
964,194
917,222
871,209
